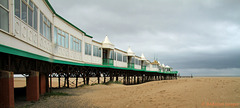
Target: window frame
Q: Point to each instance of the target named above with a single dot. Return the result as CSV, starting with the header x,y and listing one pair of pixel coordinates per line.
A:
x,y
7,10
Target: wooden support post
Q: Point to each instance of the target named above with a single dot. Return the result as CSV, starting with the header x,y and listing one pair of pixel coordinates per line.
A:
x,y
111,76
51,82
59,79
116,76
77,80
83,76
87,78
134,79
137,78
124,78
68,80
6,89
127,78
32,89
104,78
98,76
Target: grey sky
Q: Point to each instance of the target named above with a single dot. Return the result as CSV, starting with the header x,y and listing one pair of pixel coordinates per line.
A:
x,y
199,37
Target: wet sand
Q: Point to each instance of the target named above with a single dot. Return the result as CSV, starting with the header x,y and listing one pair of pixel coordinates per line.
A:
x,y
200,92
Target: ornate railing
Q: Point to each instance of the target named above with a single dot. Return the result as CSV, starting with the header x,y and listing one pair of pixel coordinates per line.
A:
x,y
108,62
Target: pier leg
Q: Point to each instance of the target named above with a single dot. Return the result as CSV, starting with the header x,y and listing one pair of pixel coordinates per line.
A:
x,y
33,86
116,76
134,79
7,89
42,84
83,76
87,78
111,76
77,80
138,79
104,78
68,80
124,79
59,80
98,78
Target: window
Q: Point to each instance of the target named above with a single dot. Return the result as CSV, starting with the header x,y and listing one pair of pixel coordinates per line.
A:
x,y
119,57
4,15
132,61
60,37
115,56
35,14
17,7
154,66
88,49
45,27
136,61
112,54
75,44
124,58
96,51
27,12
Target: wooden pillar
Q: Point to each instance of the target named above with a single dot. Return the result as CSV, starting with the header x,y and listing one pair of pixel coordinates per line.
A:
x,y
111,76
137,78
77,75
117,76
128,78
68,80
124,78
87,78
6,89
83,76
98,76
42,84
59,80
104,78
32,90
134,79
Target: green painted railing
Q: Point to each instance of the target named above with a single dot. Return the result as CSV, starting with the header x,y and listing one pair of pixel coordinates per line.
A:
x,y
108,62
131,65
143,67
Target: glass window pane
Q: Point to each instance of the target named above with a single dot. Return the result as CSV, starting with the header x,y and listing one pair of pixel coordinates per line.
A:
x,y
63,41
24,12
30,3
41,23
80,45
44,30
71,43
17,8
86,48
66,40
4,19
35,18
55,35
4,3
30,17
90,49
59,40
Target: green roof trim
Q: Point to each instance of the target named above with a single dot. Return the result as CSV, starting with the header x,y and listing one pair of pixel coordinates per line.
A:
x,y
14,51
50,6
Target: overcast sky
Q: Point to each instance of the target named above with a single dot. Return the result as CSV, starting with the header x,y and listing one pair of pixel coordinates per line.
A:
x,y
199,37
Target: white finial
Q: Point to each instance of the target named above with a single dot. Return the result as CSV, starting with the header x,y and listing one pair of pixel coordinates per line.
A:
x,y
143,57
130,52
106,40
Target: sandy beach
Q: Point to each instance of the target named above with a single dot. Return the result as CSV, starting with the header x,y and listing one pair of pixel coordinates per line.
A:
x,y
199,92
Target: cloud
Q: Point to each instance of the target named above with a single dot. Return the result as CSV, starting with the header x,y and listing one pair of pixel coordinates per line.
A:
x,y
184,34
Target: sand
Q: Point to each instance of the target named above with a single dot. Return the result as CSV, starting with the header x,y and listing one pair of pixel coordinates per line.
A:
x,y
207,92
